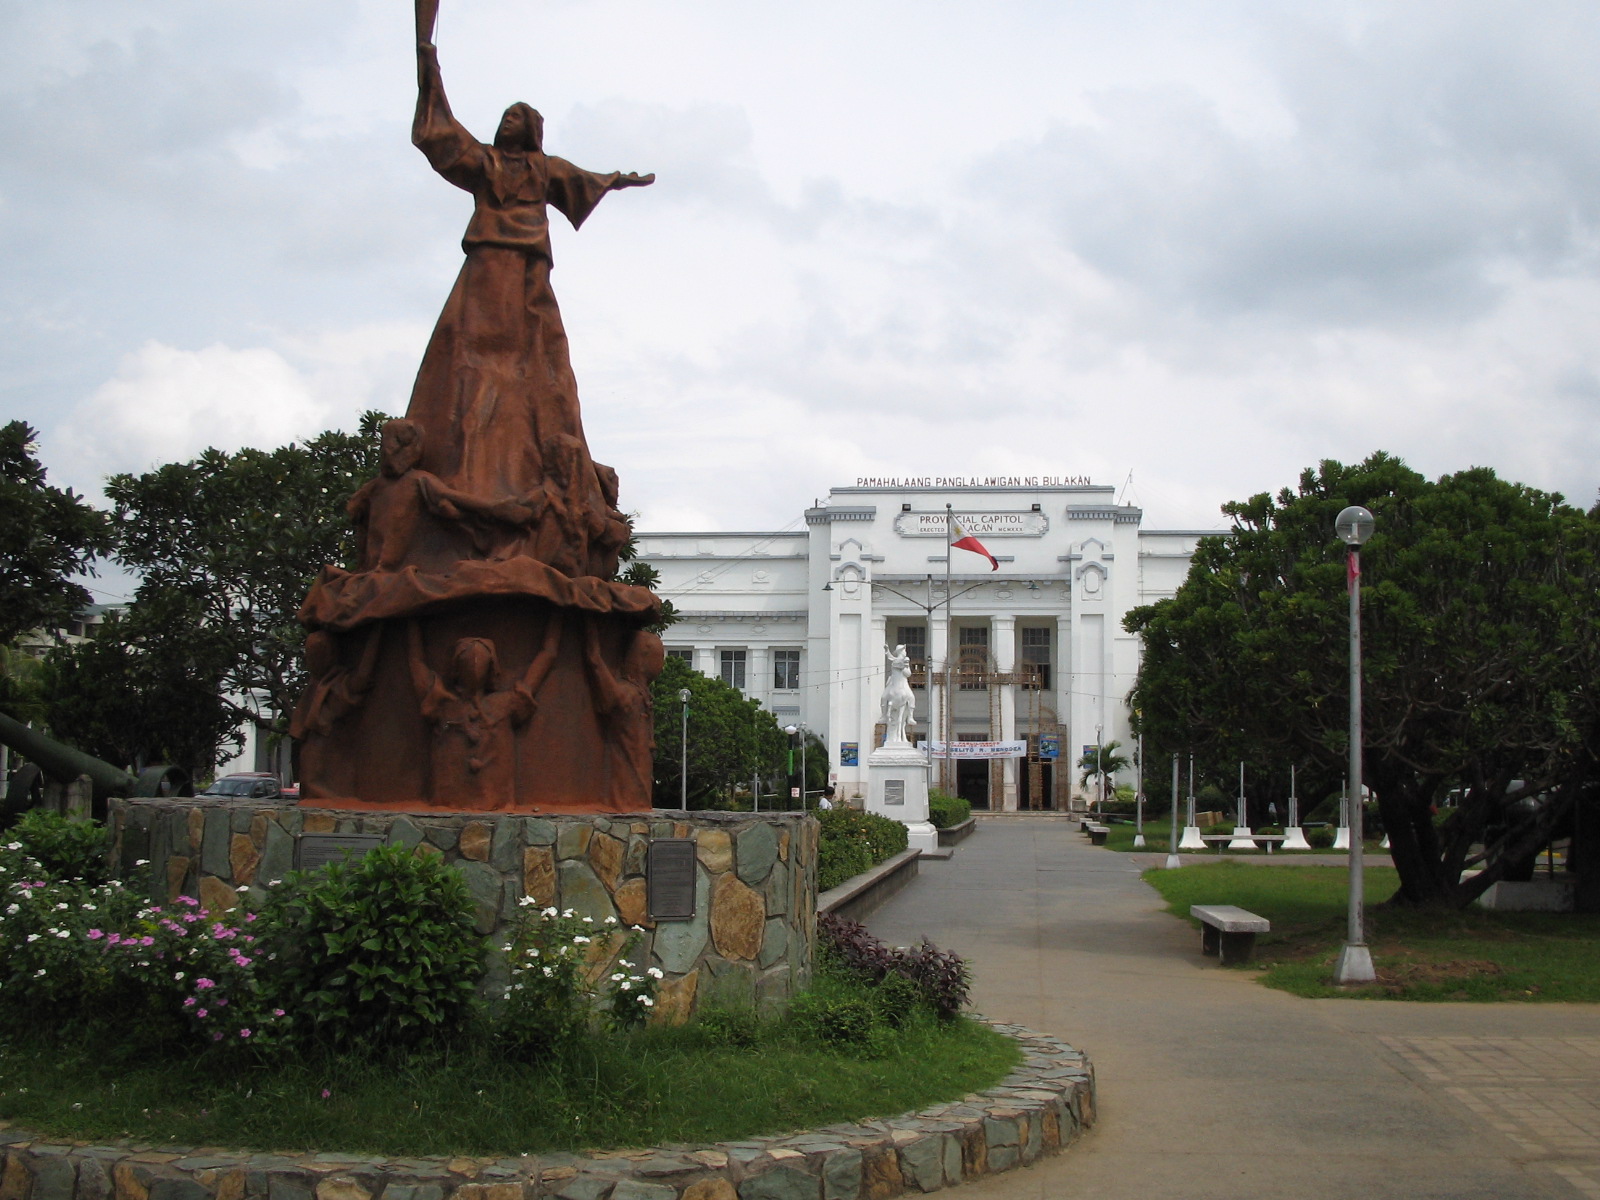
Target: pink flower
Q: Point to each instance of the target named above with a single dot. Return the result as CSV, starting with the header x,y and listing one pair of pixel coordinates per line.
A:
x,y
249,916
189,1003
95,935
202,984
277,1012
113,938
201,1013
147,941
189,918
326,1093
216,1037
244,1033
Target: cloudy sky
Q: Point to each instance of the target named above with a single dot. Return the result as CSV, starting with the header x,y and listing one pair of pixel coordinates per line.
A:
x,y
1194,245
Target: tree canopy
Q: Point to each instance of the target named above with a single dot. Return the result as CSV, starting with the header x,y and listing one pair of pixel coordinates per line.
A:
x,y
228,544
732,740
1479,627
48,536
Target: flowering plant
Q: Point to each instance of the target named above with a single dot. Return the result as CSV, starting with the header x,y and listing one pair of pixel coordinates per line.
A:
x,y
633,996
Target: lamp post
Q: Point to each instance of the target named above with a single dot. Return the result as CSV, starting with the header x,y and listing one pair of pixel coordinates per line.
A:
x,y
683,742
801,730
1354,526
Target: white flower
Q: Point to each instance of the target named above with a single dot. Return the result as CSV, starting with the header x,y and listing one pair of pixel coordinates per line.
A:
x,y
549,912
39,973
647,1002
656,973
33,937
549,971
533,952
580,940
588,920
61,907
506,948
625,985
567,913
143,862
617,976
62,933
243,887
611,920
177,976
11,910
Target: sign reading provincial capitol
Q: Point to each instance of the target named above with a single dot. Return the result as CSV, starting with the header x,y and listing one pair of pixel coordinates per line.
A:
x,y
972,481
978,524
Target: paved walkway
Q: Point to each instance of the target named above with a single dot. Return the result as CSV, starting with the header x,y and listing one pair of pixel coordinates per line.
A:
x,y
1213,1086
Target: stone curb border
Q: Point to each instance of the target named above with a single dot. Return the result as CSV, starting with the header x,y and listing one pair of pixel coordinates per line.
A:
x,y
1041,1107
860,895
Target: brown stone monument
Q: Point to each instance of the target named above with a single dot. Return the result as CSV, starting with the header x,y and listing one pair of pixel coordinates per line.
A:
x,y
480,656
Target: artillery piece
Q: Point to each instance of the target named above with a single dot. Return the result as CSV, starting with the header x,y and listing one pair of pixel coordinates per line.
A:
x,y
54,764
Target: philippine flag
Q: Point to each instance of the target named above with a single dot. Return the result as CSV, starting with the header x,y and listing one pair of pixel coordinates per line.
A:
x,y
960,539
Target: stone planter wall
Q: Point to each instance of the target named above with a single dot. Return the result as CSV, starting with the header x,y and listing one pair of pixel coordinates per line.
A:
x,y
751,938
1038,1109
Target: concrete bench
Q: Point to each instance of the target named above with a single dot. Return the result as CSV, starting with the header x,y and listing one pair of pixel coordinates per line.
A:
x,y
1227,931
1097,834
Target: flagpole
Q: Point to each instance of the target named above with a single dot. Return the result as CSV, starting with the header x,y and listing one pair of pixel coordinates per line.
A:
x,y
949,647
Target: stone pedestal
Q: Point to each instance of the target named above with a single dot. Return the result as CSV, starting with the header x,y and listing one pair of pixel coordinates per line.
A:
x,y
1192,839
897,787
749,941
1242,839
1294,838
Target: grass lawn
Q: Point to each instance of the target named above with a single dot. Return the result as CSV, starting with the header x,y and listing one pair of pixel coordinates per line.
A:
x,y
1469,955
645,1089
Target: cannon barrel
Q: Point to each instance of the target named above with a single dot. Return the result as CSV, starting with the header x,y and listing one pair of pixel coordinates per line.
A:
x,y
63,763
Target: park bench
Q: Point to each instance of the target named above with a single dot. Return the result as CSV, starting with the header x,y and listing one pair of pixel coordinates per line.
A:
x,y
1228,931
1097,833
1219,840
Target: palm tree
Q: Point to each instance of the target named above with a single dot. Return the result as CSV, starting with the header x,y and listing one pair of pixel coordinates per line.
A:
x,y
1101,763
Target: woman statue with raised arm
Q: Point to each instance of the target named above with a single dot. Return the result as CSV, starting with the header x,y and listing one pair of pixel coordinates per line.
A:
x,y
496,388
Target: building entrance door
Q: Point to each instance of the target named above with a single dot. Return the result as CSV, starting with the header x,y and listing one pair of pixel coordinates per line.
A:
x,y
1037,783
972,782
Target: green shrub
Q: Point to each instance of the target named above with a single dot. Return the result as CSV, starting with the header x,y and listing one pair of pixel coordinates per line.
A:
x,y
1320,837
941,978
852,842
378,948
945,810
63,848
840,1020
739,1027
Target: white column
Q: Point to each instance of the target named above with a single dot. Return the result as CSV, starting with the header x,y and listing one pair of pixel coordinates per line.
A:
x,y
705,660
758,675
1003,646
875,677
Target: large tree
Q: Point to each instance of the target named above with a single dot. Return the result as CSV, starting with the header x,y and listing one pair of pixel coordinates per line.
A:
x,y
239,537
48,537
146,687
732,740
1479,626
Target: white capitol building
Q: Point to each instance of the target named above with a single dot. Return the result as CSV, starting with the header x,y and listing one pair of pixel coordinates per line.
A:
x,y
798,620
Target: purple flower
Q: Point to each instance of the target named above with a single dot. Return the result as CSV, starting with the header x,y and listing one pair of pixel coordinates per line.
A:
x,y
277,1012
95,935
201,1013
244,1033
189,1003
202,984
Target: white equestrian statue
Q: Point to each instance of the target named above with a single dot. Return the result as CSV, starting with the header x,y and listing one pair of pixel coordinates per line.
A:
x,y
897,698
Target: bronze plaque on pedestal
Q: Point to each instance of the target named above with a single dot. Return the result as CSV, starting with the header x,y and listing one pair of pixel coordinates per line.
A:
x,y
669,879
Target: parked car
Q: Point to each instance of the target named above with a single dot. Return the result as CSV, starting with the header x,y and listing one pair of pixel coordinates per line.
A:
x,y
248,785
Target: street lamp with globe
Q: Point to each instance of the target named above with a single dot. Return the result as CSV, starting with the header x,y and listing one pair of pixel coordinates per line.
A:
x,y
791,730
1354,526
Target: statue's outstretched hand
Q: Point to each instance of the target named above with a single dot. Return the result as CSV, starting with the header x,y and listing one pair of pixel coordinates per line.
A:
x,y
634,179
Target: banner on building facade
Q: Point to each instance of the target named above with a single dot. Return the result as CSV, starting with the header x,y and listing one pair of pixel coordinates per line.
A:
x,y
977,750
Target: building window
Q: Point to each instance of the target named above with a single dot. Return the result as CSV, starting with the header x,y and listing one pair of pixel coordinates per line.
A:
x,y
733,668
785,670
684,652
1036,656
915,639
974,657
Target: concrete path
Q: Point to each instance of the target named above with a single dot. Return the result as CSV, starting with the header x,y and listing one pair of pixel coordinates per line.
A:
x,y
1213,1086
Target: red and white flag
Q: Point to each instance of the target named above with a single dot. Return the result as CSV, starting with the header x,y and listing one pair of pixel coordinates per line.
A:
x,y
960,539
1352,571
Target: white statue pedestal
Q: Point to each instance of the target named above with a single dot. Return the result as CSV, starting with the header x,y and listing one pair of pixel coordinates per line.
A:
x,y
1242,839
1294,838
897,787
1341,840
1192,839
